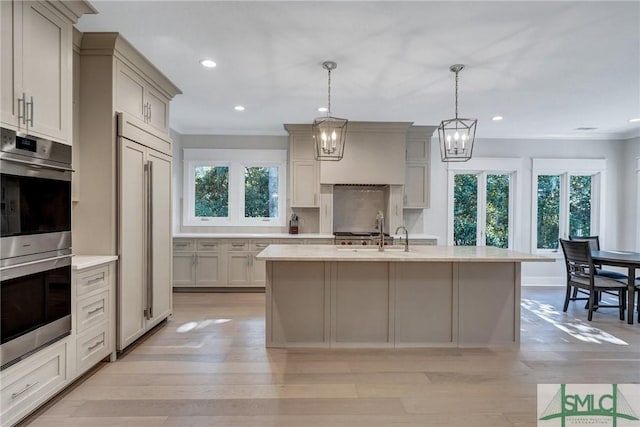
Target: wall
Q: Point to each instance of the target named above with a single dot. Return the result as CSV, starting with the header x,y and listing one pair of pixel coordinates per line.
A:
x,y
629,234
616,218
216,141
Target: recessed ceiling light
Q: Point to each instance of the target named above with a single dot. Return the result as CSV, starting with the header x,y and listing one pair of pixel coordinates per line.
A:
x,y
636,120
496,118
238,108
208,63
322,109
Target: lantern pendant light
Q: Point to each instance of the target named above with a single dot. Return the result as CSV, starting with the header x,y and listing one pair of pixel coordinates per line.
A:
x,y
329,133
456,135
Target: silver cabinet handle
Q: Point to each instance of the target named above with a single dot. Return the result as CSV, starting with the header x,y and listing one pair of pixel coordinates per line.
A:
x,y
30,119
181,245
144,112
193,259
149,112
149,169
94,311
95,280
22,102
96,345
27,387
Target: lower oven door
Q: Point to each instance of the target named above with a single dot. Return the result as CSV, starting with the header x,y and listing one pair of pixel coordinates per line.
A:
x,y
35,306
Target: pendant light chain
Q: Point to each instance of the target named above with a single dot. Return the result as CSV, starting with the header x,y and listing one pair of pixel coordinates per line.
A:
x,y
329,94
457,94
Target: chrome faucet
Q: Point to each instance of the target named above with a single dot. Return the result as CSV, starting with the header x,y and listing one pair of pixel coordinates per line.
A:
x,y
406,237
380,222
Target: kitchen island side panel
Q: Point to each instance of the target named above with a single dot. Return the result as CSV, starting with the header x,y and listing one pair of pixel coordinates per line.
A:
x,y
488,301
298,292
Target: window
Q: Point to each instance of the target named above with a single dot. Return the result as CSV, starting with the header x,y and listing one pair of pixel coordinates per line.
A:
x,y
482,202
566,200
234,187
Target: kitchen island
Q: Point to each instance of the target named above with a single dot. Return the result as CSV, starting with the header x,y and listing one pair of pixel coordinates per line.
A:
x,y
432,296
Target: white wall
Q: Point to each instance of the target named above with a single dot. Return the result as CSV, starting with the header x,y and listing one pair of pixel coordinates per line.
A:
x,y
616,217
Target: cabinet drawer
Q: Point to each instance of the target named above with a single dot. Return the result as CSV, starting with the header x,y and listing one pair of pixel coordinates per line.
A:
x,y
258,245
238,245
91,311
92,346
92,279
210,245
32,381
183,245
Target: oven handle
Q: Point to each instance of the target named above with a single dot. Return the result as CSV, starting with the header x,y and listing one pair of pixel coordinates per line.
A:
x,y
39,165
32,267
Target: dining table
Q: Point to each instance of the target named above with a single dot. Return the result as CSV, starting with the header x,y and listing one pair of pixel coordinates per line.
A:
x,y
629,260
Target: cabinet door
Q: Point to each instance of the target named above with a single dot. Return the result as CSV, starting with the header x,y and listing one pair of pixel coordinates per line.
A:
x,y
157,110
210,269
394,214
304,182
133,260
258,271
184,269
11,54
238,268
46,70
416,187
129,91
161,239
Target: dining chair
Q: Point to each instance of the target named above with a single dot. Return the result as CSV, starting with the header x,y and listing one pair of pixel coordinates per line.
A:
x,y
581,276
594,245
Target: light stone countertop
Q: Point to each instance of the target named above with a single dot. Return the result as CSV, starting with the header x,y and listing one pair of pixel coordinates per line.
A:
x,y
80,262
252,236
396,254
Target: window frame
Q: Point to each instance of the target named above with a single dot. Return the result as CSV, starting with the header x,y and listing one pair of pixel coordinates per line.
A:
x,y
481,167
565,168
236,160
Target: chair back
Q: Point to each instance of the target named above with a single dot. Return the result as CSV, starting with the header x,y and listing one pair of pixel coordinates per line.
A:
x,y
594,243
577,256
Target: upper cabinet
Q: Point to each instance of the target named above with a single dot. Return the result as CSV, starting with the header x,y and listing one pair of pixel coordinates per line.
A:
x,y
137,87
417,167
304,186
134,95
36,66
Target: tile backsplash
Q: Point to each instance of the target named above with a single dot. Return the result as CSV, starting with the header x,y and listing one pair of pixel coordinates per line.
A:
x,y
355,206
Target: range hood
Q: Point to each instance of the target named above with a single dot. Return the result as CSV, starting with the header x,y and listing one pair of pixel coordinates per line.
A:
x,y
374,154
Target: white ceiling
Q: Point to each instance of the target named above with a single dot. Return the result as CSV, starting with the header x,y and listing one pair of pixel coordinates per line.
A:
x,y
547,67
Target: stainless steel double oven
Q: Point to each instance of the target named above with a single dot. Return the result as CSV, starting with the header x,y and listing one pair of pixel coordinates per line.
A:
x,y
35,246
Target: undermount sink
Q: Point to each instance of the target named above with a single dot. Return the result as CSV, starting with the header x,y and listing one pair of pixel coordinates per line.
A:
x,y
372,249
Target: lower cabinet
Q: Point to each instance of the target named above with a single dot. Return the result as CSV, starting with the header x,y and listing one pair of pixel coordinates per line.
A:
x,y
224,262
31,382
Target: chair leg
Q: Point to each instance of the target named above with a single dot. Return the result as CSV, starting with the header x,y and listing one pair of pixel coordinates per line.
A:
x,y
622,300
591,302
568,296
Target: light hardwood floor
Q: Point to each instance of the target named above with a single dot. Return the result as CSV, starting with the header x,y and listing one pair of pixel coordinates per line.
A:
x,y
208,367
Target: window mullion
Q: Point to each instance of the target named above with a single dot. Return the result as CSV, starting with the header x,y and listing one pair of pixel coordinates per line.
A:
x,y
482,209
563,231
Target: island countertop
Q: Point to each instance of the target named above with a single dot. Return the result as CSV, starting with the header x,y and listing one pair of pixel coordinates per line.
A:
x,y
396,254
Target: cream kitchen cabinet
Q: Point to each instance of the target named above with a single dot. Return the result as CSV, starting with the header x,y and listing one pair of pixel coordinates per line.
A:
x,y
199,263
304,183
37,66
94,321
417,170
138,98
32,381
243,268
